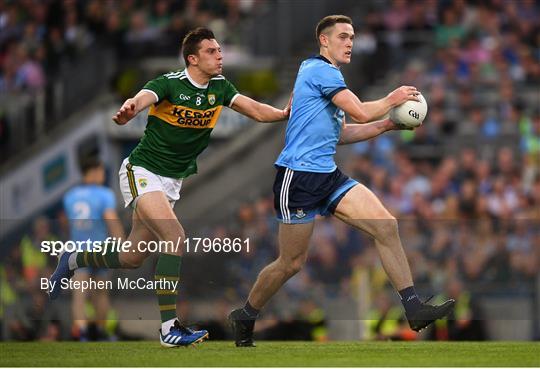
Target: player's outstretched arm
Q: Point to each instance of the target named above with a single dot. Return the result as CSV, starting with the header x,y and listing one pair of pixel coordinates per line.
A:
x,y
364,112
133,106
259,111
352,133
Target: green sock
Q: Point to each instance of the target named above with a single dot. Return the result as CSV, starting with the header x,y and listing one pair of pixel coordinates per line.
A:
x,y
168,269
95,259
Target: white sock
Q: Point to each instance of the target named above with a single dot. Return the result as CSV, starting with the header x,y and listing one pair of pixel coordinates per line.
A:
x,y
166,326
72,261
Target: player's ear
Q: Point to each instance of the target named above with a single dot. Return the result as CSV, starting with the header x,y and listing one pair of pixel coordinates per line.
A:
x,y
193,59
323,40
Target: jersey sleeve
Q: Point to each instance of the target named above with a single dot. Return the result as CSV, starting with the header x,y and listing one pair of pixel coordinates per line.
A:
x,y
158,86
109,201
230,94
329,81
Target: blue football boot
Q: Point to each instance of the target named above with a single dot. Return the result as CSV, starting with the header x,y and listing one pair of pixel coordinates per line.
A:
x,y
181,336
62,271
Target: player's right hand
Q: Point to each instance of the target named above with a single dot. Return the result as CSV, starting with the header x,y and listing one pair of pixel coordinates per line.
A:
x,y
402,94
126,112
394,126
287,109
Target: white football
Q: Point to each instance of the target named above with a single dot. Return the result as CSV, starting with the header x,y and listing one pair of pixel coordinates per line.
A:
x,y
410,113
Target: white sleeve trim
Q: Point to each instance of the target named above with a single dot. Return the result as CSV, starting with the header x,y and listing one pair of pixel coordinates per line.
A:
x,y
147,90
232,100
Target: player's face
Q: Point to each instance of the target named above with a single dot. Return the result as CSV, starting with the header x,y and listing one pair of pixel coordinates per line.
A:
x,y
209,58
98,174
339,42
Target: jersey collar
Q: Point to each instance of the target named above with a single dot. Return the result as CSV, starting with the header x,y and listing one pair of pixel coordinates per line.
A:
x,y
323,59
193,82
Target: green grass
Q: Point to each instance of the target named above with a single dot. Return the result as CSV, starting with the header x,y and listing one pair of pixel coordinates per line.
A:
x,y
149,353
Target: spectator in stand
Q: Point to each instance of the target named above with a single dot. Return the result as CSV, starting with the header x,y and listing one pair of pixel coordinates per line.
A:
x,y
34,262
449,29
506,163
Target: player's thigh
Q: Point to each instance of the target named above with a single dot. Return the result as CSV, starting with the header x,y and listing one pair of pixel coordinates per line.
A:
x,y
294,242
156,213
361,208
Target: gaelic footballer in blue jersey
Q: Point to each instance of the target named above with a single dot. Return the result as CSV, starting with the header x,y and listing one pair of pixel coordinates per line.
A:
x,y
91,210
309,183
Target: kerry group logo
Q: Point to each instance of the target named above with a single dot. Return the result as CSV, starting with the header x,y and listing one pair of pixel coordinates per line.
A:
x,y
182,116
191,117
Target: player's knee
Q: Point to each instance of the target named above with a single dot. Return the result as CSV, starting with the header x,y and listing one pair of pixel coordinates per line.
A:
x,y
178,240
132,261
172,237
297,265
132,264
293,266
180,234
387,228
102,293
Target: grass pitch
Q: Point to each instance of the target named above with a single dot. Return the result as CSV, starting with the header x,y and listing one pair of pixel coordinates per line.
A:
x,y
209,353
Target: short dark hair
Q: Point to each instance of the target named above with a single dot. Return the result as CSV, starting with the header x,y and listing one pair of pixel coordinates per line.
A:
x,y
330,21
88,163
192,42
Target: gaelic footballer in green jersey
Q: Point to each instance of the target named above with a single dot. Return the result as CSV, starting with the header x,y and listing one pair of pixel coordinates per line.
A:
x,y
184,108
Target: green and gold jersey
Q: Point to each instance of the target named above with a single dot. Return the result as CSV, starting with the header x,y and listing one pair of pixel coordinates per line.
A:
x,y
180,122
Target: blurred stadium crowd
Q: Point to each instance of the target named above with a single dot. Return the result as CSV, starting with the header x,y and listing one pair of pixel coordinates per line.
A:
x,y
465,186
44,43
37,36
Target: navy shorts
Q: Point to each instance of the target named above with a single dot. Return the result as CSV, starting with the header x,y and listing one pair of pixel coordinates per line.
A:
x,y
300,196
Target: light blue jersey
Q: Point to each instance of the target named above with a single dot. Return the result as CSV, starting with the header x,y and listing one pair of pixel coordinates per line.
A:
x,y
84,206
315,123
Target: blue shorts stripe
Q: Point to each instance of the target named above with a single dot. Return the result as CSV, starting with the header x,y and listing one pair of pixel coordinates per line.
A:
x,y
330,207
